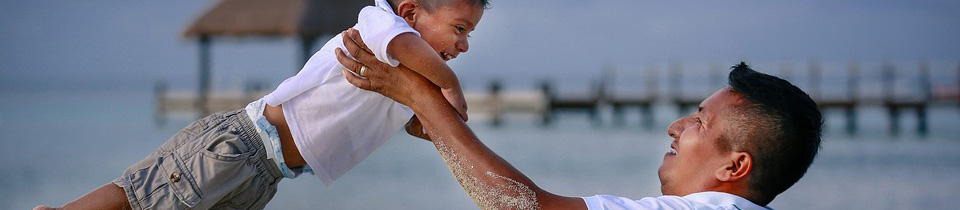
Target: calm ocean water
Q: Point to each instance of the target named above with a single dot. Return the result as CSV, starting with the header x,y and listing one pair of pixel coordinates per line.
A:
x,y
58,145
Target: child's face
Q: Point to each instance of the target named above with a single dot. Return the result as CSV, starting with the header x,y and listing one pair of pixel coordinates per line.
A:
x,y
446,29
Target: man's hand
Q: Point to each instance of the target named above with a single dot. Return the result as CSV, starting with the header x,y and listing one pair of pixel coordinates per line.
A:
x,y
397,83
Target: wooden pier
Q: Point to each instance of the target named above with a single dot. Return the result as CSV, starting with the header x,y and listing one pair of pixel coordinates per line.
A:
x,y
918,102
847,103
556,102
619,100
547,102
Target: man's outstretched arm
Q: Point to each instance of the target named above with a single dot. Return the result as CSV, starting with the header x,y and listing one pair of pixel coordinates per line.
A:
x,y
489,180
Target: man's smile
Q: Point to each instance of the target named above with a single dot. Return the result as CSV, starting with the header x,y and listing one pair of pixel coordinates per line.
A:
x,y
673,148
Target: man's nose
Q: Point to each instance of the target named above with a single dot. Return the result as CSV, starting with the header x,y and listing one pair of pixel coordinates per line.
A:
x,y
676,128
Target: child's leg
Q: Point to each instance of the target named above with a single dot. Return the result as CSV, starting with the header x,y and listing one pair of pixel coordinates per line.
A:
x,y
216,162
108,196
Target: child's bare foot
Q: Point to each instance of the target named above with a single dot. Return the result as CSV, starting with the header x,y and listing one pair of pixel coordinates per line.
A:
x,y
43,207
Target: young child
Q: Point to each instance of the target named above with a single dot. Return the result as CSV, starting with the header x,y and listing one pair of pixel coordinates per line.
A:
x,y
314,122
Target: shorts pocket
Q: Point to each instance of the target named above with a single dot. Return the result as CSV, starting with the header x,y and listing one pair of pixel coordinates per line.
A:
x,y
162,185
226,147
180,180
220,167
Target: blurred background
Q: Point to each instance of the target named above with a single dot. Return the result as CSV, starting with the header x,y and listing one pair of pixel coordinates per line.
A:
x,y
576,94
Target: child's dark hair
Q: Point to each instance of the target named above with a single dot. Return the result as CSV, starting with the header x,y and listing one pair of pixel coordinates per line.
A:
x,y
432,5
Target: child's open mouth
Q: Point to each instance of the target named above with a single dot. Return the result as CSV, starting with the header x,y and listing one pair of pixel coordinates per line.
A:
x,y
446,57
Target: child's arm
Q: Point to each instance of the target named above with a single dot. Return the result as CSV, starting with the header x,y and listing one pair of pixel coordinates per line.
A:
x,y
414,53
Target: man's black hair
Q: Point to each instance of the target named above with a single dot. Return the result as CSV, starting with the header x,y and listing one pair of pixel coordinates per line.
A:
x,y
432,5
778,125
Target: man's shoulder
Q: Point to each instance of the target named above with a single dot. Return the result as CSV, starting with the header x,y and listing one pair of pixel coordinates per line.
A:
x,y
701,200
615,202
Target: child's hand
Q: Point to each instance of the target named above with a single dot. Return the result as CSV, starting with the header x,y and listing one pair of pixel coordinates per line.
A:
x,y
415,129
455,97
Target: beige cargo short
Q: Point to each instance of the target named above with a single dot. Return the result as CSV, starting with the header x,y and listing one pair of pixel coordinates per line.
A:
x,y
217,162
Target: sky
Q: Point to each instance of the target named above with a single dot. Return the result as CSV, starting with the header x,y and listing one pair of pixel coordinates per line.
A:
x,y
101,44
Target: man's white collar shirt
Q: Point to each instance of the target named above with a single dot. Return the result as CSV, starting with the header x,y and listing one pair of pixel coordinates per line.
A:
x,y
700,200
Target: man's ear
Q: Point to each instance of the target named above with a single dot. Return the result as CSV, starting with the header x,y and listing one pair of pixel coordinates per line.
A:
x,y
737,166
408,11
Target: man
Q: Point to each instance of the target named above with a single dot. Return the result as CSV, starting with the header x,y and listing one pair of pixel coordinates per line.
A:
x,y
745,144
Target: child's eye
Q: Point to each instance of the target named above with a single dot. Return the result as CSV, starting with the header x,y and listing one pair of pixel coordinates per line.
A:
x,y
460,29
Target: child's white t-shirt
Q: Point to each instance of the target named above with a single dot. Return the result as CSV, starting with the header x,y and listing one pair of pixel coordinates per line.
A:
x,y
335,125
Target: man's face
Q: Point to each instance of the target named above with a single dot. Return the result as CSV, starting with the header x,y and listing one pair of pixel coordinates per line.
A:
x,y
446,29
694,158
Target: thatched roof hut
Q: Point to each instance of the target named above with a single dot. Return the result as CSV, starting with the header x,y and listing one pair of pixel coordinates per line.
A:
x,y
302,19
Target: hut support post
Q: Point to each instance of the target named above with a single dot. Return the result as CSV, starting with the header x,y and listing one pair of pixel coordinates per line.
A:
x,y
203,90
